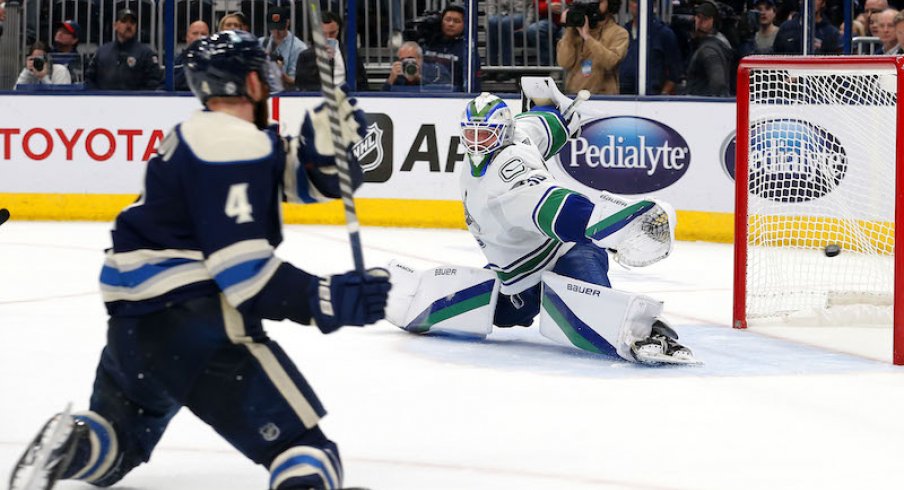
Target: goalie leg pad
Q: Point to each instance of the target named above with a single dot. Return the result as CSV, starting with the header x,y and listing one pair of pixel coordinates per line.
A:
x,y
595,318
452,299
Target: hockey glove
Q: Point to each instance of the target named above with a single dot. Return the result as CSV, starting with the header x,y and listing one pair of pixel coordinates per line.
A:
x,y
316,137
350,299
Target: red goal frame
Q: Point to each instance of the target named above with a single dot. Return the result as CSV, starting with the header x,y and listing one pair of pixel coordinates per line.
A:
x,y
739,312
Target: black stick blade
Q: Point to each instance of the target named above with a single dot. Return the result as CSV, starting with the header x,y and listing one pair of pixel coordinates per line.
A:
x,y
4,215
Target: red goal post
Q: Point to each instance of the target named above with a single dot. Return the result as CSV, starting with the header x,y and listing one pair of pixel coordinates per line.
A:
x,y
815,165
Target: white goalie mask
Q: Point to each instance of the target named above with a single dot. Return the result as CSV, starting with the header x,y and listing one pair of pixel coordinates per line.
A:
x,y
486,125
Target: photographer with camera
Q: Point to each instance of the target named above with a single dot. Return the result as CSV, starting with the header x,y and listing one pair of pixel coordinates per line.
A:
x,y
39,70
593,46
283,48
406,69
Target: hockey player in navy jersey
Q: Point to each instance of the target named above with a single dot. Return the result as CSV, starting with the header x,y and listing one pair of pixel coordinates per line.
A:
x,y
189,279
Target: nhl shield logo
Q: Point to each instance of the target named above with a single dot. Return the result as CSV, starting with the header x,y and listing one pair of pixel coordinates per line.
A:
x,y
369,151
374,151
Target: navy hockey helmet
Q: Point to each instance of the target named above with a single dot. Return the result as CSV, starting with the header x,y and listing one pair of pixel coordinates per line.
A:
x,y
217,66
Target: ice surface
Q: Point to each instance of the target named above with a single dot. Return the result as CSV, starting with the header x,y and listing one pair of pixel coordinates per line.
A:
x,y
773,408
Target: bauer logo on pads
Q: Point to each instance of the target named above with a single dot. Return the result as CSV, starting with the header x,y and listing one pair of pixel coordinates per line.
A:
x,y
374,151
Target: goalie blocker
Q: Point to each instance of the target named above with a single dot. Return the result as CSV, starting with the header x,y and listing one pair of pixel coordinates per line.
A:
x,y
462,300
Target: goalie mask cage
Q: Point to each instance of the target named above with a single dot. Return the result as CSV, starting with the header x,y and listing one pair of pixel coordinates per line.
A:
x,y
818,159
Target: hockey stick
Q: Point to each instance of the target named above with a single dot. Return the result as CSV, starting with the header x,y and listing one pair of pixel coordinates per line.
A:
x,y
329,89
580,97
4,215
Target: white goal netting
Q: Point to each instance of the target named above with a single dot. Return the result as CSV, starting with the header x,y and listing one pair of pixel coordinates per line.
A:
x,y
821,171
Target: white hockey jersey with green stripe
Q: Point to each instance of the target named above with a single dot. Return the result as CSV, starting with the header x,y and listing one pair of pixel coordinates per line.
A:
x,y
512,202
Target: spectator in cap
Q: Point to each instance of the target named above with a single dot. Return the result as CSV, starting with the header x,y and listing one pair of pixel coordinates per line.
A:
x,y
124,63
40,70
283,47
450,48
196,30
2,16
235,21
826,37
709,69
65,48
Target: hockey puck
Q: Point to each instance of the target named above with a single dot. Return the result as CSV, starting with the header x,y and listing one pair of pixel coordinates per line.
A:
x,y
4,215
832,250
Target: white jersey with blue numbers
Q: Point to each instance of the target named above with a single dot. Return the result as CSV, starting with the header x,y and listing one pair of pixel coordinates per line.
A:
x,y
208,219
513,205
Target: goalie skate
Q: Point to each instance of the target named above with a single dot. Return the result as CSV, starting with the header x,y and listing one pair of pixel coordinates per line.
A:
x,y
48,455
662,347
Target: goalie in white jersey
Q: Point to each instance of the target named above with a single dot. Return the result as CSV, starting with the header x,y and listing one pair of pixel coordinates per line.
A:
x,y
534,230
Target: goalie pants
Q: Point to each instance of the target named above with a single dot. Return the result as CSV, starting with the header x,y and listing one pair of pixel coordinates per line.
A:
x,y
584,261
191,354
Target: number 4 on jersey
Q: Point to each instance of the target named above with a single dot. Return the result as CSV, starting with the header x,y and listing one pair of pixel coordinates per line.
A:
x,y
237,205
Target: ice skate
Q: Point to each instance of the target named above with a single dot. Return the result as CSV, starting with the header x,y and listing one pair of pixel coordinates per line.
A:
x,y
662,347
49,454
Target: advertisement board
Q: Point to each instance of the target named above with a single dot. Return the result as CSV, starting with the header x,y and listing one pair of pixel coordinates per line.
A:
x,y
85,149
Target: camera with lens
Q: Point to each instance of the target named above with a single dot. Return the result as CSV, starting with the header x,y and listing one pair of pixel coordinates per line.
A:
x,y
276,57
409,67
38,62
424,29
579,11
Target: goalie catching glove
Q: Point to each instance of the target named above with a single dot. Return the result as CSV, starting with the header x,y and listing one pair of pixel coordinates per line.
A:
x,y
350,299
639,233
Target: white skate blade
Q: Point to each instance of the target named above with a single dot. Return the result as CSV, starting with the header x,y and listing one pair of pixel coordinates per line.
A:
x,y
652,354
31,472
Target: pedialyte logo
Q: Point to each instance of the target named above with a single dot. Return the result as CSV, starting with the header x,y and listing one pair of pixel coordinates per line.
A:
x,y
793,160
374,151
626,155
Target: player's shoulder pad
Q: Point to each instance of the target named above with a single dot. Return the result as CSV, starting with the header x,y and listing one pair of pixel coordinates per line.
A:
x,y
217,137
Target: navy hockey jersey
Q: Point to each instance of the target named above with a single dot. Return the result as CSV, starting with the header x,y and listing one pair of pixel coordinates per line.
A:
x,y
208,220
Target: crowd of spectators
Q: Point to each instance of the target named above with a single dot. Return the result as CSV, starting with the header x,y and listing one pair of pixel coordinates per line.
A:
x,y
695,51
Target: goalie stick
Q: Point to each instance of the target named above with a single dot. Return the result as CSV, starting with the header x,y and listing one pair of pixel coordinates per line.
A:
x,y
4,215
328,88
580,97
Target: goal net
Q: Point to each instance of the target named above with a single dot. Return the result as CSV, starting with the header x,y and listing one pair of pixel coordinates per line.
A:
x,y
816,169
